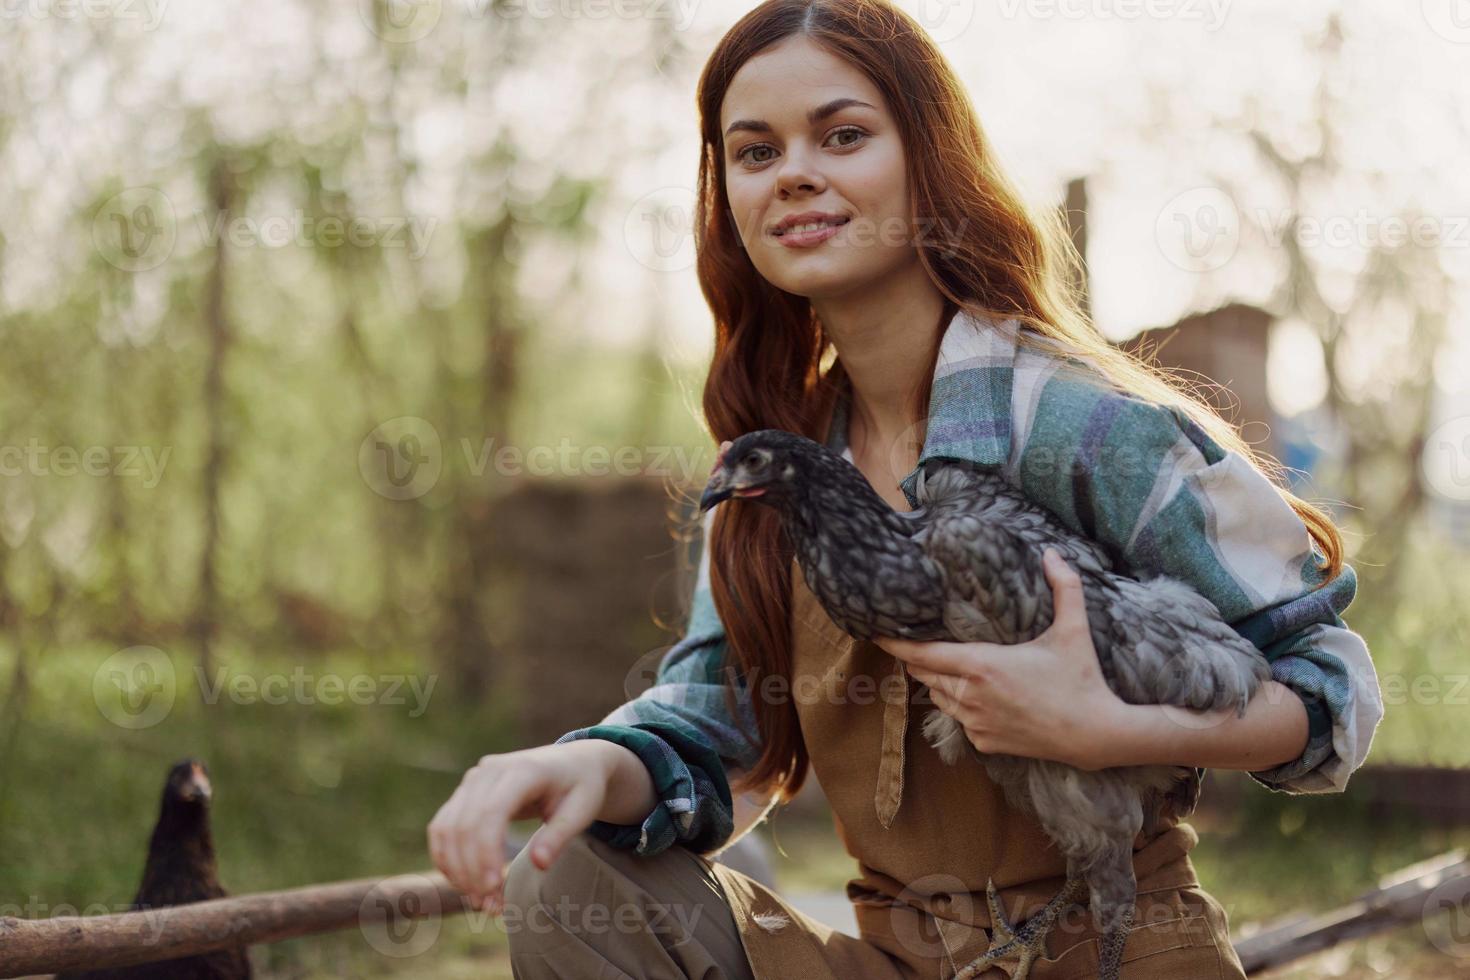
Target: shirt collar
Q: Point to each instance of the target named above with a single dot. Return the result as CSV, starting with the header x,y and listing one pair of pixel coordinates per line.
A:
x,y
969,400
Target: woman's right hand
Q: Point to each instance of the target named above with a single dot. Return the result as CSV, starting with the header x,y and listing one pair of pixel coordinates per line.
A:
x,y
566,785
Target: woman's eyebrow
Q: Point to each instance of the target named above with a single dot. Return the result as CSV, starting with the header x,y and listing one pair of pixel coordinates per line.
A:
x,y
814,116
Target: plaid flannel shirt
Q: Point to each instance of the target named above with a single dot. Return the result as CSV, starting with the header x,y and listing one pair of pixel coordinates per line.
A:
x,y
1141,479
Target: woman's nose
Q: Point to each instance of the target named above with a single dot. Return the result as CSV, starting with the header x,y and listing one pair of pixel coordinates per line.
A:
x,y
798,173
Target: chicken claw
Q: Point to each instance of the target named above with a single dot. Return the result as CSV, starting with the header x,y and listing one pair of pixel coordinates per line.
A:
x,y
1028,941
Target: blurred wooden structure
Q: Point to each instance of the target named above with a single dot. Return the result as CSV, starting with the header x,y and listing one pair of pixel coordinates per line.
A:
x,y
1075,211
1224,352
1436,795
1224,347
585,567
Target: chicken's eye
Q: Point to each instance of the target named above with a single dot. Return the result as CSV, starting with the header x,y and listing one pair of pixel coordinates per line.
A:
x,y
753,459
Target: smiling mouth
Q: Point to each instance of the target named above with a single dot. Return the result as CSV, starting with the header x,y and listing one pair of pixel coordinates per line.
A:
x,y
811,226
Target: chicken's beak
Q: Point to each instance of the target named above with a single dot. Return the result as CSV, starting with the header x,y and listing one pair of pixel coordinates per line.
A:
x,y
715,491
197,788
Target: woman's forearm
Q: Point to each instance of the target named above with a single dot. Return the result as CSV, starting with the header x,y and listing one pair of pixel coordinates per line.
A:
x,y
1272,731
630,798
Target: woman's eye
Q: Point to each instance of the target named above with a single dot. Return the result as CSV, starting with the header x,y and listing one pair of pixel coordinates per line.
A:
x,y
744,155
751,149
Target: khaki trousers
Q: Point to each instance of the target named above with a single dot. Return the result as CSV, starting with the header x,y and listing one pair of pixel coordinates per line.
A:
x,y
599,913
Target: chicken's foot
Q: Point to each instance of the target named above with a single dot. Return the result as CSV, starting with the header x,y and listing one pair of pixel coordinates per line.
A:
x,y
1029,939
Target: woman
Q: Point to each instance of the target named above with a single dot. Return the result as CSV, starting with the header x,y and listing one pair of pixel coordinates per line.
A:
x,y
875,279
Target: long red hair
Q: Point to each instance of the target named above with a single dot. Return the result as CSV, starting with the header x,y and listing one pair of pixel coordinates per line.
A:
x,y
774,366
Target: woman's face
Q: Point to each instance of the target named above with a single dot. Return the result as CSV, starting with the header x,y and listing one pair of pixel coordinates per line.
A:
x,y
846,163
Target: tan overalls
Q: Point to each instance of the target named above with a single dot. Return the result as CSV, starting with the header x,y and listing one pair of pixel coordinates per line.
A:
x,y
927,836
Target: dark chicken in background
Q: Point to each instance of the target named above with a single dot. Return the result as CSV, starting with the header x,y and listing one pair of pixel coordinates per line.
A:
x,y
180,869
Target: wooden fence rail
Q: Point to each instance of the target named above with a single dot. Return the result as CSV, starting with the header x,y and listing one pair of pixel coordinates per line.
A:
x,y
30,946
384,906
1417,893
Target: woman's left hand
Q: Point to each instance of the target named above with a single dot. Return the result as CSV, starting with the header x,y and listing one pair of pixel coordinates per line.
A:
x,y
1042,699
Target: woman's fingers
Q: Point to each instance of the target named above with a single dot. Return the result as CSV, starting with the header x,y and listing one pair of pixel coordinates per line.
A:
x,y
952,686
1069,604
509,798
466,832
445,841
573,814
467,835
483,830
943,701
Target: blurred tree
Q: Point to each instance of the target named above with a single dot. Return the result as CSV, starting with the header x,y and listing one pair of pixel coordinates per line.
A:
x,y
1394,310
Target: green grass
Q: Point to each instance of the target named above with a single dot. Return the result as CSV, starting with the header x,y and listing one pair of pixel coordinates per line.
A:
x,y
309,793
304,793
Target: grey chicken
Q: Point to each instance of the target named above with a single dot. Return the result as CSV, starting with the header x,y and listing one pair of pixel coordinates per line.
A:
x,y
966,566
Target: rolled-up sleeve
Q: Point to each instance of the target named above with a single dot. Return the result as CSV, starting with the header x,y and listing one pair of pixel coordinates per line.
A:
x,y
1313,653
1221,525
1163,496
682,730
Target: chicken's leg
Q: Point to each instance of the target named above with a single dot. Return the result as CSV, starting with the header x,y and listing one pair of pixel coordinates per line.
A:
x,y
1029,939
1110,948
